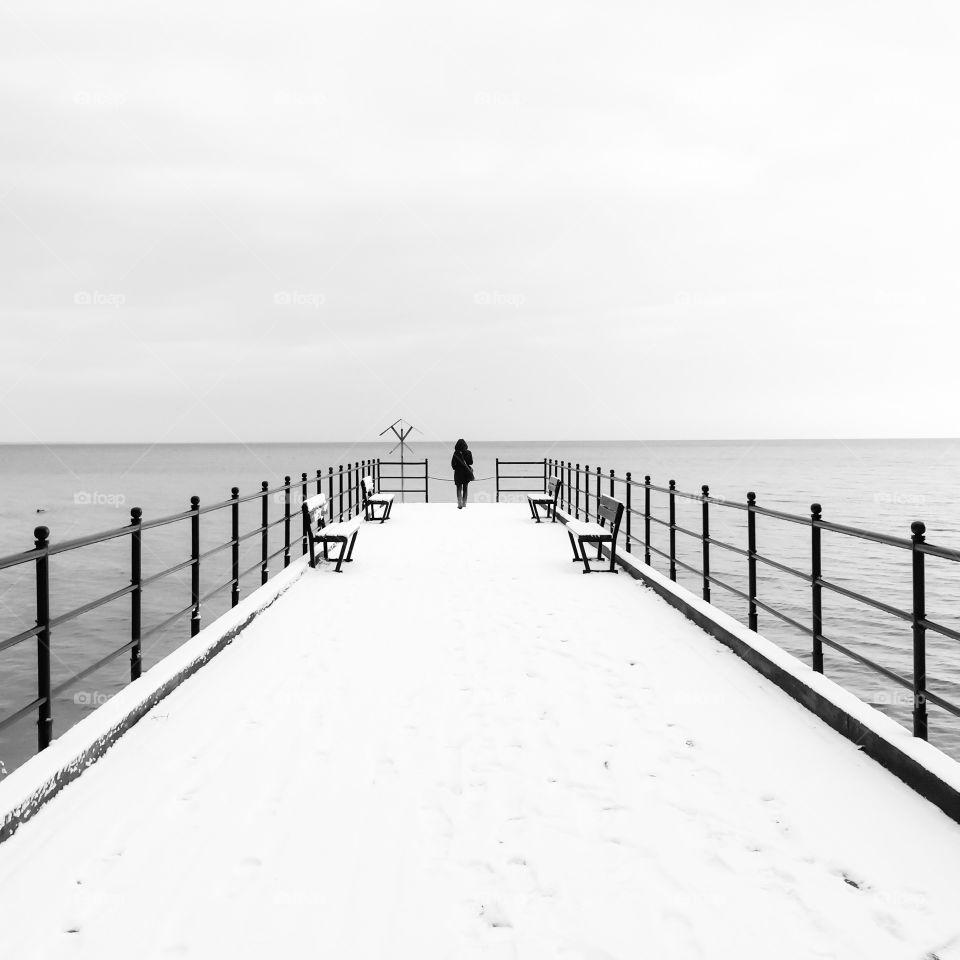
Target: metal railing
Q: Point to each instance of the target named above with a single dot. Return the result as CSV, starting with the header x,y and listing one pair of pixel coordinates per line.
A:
x,y
539,477
342,487
581,487
417,471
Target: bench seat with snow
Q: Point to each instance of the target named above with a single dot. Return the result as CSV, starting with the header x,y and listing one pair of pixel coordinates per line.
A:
x,y
609,513
546,500
320,533
373,500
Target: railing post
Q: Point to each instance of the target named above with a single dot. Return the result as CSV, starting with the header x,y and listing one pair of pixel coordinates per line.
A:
x,y
544,474
576,509
673,530
815,589
627,510
599,491
378,474
498,481
320,482
752,561
349,492
195,566
136,596
586,492
340,497
646,519
45,708
286,522
918,528
329,490
705,489
264,533
235,545
426,481
611,484
303,492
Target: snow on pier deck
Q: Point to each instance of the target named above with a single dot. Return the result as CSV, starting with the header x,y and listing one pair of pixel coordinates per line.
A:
x,y
462,747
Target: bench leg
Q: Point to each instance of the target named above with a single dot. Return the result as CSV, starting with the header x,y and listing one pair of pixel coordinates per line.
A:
x,y
534,511
353,540
586,562
343,549
613,559
573,543
325,556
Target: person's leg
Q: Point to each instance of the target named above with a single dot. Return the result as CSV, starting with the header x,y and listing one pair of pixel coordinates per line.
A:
x,y
459,495
466,487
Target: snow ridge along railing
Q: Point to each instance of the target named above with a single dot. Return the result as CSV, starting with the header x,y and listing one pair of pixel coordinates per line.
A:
x,y
581,488
342,487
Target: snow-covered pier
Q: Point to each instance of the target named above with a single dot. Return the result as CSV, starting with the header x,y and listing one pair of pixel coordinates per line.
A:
x,y
462,747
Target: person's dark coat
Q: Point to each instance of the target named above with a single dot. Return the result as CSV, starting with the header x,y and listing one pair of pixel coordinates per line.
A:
x,y
461,459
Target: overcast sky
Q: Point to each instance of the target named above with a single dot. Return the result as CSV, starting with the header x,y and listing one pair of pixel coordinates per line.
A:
x,y
503,220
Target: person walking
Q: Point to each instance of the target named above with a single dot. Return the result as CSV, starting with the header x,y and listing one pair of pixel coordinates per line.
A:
x,y
462,463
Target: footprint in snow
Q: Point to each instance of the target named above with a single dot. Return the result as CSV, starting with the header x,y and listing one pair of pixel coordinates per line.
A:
x,y
494,915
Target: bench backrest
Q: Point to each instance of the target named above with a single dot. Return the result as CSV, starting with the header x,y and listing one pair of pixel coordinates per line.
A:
x,y
367,486
314,511
554,485
610,513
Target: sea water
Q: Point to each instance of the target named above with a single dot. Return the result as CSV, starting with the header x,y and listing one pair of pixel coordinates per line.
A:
x,y
879,485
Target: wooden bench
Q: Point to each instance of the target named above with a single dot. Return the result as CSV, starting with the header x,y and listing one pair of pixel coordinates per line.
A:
x,y
547,500
318,531
373,500
610,512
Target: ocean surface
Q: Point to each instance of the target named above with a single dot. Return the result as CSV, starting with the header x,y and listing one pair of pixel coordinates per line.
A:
x,y
880,485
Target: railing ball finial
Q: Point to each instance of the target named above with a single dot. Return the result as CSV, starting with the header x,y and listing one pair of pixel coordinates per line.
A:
x,y
816,510
751,497
194,502
706,489
234,492
286,481
264,484
646,479
918,528
673,484
136,514
41,535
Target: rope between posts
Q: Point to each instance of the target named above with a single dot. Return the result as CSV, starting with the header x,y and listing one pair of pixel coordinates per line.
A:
x,y
450,479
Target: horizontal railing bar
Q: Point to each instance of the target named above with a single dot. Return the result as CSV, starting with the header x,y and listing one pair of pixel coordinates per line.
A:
x,y
866,661
935,627
944,553
56,691
19,638
876,604
943,704
216,590
663,523
166,623
215,550
277,553
782,616
726,586
14,559
21,713
166,573
163,521
687,566
90,540
255,532
92,605
659,552
782,566
250,570
728,546
689,533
